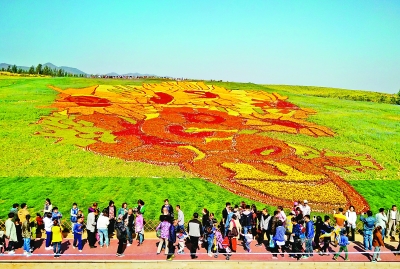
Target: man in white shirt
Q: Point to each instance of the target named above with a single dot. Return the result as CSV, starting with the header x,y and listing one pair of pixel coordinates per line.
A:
x,y
305,208
91,227
181,218
393,220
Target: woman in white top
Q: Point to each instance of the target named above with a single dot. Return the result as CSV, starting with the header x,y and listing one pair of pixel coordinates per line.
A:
x,y
48,207
351,222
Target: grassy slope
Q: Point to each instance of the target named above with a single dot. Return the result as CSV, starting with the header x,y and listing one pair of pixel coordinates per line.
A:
x,y
361,127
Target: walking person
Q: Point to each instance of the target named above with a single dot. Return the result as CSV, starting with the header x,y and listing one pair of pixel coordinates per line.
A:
x,y
128,220
351,223
172,240
195,231
78,231
11,233
326,232
378,243
246,221
91,228
343,243
163,229
309,235
224,217
369,224
26,234
56,238
102,228
318,228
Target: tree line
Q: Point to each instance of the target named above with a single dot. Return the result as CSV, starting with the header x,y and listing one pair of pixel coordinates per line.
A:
x,y
41,70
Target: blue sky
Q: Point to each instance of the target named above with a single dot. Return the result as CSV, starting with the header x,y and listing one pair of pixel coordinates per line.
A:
x,y
347,44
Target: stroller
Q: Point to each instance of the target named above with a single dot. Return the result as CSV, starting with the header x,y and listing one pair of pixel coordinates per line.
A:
x,y
222,245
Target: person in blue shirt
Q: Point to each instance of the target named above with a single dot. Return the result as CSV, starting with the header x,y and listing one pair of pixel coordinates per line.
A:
x,y
309,235
297,234
343,243
56,215
369,225
78,231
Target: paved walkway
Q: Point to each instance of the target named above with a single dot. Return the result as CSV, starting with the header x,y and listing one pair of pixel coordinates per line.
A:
x,y
147,252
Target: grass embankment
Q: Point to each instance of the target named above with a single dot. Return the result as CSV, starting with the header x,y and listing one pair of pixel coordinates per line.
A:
x,y
353,95
33,168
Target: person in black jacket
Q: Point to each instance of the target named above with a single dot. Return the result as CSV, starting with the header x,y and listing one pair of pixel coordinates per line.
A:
x,y
172,240
318,227
121,235
128,222
224,217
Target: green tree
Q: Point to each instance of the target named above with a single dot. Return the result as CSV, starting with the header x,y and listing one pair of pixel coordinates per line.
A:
x,y
31,70
39,69
14,69
20,71
398,98
9,68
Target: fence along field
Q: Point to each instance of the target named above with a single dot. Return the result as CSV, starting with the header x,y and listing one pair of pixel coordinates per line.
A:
x,y
205,130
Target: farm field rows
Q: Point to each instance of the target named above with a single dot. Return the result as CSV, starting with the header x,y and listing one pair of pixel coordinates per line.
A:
x,y
198,143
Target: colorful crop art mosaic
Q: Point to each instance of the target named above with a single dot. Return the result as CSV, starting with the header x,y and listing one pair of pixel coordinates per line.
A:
x,y
218,134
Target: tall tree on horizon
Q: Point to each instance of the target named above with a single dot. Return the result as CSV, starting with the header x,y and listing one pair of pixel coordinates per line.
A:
x,y
39,69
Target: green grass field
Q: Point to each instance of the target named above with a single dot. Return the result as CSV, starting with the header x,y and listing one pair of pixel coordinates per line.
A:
x,y
33,168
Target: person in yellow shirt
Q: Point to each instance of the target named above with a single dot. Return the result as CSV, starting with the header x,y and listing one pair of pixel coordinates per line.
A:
x,y
56,238
340,220
23,212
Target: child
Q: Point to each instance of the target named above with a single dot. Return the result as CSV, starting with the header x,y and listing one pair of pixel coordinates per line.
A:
x,y
39,222
48,223
377,242
33,235
247,239
2,242
78,230
74,214
80,214
343,243
57,238
56,215
139,227
181,241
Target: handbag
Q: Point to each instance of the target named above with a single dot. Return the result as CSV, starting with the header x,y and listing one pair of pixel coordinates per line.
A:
x,y
271,243
158,233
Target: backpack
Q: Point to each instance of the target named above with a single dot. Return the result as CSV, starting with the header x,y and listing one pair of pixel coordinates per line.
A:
x,y
234,232
247,220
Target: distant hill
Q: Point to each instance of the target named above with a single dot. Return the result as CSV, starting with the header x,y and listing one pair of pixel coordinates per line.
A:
x,y
67,69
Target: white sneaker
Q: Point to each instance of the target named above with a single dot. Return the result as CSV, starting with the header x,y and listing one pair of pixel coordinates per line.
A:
x,y
80,250
11,252
210,255
48,248
28,254
378,259
128,245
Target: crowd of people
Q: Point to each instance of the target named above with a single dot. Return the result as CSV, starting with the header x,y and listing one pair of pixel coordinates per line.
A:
x,y
294,233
